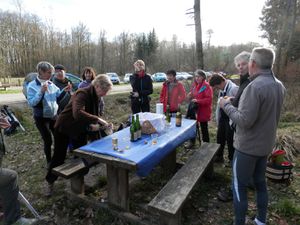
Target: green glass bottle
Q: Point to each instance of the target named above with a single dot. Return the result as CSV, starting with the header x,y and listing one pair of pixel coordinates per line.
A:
x,y
168,115
132,129
138,127
178,117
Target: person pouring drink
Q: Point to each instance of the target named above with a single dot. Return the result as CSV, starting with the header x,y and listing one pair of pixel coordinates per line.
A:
x,y
78,122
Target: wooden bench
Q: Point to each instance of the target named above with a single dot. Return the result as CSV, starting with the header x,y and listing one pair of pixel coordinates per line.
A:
x,y
4,86
169,201
75,169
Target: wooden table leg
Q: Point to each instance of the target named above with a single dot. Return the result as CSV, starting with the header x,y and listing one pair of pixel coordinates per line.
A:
x,y
118,187
169,163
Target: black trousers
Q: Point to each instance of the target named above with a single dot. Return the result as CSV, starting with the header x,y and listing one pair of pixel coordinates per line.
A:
x,y
204,131
137,105
46,129
191,114
225,135
61,143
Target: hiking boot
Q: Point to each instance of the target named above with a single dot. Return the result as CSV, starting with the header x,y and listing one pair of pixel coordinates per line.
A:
x,y
25,221
225,195
48,189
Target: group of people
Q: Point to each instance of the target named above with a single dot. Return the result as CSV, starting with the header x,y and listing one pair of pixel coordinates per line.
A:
x,y
246,115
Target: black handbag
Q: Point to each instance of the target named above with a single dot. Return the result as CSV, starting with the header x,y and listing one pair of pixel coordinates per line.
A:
x,y
192,109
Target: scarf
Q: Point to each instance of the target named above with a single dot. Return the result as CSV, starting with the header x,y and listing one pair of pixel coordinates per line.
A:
x,y
141,73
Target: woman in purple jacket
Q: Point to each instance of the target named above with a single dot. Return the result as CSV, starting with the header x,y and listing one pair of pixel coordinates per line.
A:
x,y
88,74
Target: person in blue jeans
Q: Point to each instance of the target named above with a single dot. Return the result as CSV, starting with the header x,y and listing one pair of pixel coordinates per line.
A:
x,y
256,119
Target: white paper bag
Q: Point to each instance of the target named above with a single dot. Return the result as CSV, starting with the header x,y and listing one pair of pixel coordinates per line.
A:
x,y
157,120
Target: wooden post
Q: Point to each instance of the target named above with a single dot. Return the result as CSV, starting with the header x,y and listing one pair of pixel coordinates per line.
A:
x,y
171,219
77,184
118,187
209,171
169,163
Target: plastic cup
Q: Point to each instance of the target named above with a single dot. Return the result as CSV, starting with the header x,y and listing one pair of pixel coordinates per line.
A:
x,y
154,137
114,141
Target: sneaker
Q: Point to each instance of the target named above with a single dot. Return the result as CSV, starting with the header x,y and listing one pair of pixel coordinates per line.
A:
x,y
48,190
225,195
25,221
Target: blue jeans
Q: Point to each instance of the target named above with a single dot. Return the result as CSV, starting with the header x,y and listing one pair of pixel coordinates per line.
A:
x,y
246,168
9,192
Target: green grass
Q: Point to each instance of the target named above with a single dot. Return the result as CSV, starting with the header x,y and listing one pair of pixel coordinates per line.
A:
x,y
287,208
25,155
11,91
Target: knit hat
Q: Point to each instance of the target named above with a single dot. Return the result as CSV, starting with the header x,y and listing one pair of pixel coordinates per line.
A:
x,y
59,67
139,65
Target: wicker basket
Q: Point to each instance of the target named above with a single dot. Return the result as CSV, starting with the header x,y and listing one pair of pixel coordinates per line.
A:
x,y
278,172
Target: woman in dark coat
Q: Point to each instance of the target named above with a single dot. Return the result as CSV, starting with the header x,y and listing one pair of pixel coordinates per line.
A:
x,y
142,87
76,122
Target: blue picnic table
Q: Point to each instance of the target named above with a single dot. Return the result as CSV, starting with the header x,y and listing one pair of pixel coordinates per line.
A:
x,y
140,156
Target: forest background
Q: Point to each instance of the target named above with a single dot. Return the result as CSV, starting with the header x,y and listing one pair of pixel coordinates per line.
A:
x,y
25,40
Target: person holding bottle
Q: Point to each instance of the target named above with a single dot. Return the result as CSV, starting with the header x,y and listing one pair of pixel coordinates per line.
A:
x,y
200,97
172,92
78,122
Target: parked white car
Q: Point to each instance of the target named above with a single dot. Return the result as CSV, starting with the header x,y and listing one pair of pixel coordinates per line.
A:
x,y
183,76
127,78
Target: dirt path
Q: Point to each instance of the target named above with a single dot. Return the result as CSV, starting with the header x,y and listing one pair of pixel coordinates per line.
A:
x,y
19,97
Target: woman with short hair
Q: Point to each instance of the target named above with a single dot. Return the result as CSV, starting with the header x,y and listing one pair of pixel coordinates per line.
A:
x,y
78,122
42,96
142,87
201,96
172,92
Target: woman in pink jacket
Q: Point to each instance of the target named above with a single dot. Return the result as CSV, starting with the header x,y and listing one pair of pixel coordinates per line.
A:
x,y
201,95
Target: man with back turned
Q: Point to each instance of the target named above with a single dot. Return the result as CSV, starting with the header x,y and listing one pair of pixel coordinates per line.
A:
x,y
256,120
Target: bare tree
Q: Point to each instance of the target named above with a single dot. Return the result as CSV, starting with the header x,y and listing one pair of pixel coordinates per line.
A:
x,y
198,30
209,34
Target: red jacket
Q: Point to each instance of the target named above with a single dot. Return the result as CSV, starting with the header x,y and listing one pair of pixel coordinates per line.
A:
x,y
177,97
204,94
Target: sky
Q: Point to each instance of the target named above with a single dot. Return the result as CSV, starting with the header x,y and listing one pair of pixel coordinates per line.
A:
x,y
232,21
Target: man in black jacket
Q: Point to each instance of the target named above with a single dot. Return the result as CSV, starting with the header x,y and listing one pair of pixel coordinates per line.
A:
x,y
142,87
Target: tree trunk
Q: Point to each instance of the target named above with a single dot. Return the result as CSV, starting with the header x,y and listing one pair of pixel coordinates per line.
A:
x,y
198,30
285,34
